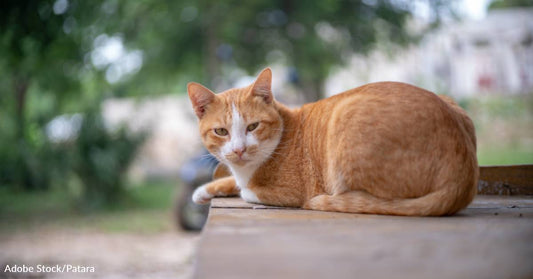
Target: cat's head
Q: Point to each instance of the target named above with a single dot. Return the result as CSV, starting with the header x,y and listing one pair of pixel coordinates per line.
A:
x,y
241,126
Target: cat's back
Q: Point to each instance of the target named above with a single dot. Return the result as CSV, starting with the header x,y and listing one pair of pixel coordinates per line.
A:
x,y
382,93
381,102
387,105
386,116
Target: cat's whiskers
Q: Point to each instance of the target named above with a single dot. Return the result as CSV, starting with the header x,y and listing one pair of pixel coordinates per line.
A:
x,y
206,156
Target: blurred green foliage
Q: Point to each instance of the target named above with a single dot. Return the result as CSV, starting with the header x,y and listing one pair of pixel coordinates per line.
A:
x,y
500,4
505,155
91,167
143,209
503,128
40,66
44,72
205,40
100,159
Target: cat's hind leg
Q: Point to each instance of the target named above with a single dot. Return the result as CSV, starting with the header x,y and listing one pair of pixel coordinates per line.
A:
x,y
432,204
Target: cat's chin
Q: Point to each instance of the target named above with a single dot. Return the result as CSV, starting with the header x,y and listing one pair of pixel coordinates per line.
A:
x,y
243,163
240,162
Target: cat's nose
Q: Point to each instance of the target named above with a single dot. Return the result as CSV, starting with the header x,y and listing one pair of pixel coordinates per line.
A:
x,y
239,151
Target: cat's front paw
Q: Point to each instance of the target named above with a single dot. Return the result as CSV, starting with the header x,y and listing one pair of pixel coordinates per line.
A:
x,y
201,196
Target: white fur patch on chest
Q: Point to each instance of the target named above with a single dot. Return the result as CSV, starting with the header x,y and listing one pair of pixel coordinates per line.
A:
x,y
249,196
242,178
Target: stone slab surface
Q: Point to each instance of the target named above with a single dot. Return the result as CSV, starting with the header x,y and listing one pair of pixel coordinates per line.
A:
x,y
492,238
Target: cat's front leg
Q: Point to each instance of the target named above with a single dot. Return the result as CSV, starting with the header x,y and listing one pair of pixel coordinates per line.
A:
x,y
222,187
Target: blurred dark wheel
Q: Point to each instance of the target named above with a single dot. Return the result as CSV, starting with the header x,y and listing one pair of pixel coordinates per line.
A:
x,y
190,216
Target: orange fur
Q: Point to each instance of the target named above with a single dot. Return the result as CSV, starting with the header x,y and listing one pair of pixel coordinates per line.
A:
x,y
223,187
382,148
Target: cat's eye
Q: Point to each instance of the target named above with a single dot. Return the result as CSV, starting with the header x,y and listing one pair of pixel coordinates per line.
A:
x,y
252,126
221,131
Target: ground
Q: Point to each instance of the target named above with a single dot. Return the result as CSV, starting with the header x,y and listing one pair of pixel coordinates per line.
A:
x,y
120,255
140,240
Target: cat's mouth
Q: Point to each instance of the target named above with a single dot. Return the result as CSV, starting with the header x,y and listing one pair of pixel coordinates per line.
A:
x,y
240,161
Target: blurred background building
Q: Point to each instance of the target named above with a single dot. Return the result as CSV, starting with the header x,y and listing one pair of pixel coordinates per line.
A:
x,y
468,58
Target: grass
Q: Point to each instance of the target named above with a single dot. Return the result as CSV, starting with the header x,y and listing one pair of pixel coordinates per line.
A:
x,y
504,128
505,155
147,209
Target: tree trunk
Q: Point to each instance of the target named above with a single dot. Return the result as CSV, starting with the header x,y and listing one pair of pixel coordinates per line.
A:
x,y
20,89
210,47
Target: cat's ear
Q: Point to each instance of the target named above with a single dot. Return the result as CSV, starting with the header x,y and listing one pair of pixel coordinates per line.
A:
x,y
263,86
200,97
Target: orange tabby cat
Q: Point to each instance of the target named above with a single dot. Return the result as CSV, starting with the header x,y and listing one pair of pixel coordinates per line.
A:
x,y
382,148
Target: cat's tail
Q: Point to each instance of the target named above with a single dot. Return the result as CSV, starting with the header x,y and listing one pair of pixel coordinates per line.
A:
x,y
438,203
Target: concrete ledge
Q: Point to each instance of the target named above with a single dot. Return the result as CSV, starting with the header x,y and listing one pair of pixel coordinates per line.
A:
x,y
492,238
